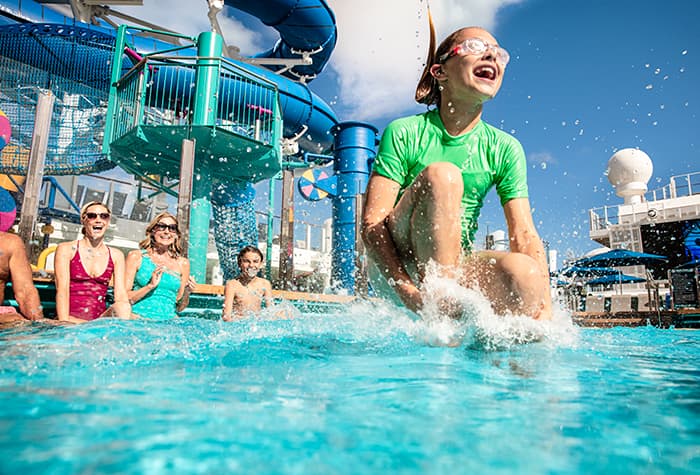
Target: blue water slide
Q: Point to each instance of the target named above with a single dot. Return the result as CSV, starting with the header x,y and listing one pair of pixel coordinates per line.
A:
x,y
304,26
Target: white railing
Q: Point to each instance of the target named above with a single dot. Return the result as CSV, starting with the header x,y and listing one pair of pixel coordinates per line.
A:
x,y
679,186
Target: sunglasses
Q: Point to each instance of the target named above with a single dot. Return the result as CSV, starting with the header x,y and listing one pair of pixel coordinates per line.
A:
x,y
162,227
91,216
476,46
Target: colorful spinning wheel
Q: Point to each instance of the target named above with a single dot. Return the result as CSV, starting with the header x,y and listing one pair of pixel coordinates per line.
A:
x,y
8,210
5,130
308,184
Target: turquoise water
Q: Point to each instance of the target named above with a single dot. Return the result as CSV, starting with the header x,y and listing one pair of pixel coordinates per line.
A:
x,y
367,390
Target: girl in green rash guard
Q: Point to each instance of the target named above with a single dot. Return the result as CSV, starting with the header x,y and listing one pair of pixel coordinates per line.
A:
x,y
430,178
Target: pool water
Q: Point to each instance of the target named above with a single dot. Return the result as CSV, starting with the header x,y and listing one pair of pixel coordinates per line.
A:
x,y
363,390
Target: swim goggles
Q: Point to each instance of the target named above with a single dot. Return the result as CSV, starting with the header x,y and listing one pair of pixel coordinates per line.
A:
x,y
476,46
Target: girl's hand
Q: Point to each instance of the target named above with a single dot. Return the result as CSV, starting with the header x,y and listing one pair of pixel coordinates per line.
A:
x,y
191,284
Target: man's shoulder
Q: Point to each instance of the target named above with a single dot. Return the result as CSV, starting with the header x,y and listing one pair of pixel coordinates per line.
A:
x,y
9,241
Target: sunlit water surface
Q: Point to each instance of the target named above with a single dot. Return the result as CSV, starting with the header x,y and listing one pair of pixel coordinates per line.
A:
x,y
364,390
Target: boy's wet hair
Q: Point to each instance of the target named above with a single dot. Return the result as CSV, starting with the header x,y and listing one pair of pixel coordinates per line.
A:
x,y
247,249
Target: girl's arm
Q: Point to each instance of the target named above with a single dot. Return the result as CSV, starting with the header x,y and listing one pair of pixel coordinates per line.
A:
x,y
379,202
524,239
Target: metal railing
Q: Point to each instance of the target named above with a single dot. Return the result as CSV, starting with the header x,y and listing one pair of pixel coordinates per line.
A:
x,y
679,186
159,91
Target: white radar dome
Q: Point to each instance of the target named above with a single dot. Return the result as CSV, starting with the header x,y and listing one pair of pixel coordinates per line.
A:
x,y
629,171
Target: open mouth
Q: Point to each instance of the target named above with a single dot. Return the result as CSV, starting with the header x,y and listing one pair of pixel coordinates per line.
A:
x,y
97,227
485,72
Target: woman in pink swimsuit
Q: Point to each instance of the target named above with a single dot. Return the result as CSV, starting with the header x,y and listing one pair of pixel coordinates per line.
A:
x,y
84,269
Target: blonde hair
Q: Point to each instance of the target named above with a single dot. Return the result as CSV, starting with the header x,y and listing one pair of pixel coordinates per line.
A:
x,y
86,207
174,249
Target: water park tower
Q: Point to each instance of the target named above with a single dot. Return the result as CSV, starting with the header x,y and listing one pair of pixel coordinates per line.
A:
x,y
262,104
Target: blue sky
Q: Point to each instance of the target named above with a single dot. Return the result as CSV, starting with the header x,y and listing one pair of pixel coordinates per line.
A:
x,y
586,79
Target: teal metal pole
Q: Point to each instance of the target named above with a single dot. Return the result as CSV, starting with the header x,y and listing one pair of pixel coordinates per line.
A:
x,y
113,98
209,49
270,227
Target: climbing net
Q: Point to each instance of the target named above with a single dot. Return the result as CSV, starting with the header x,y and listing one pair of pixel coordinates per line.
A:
x,y
75,67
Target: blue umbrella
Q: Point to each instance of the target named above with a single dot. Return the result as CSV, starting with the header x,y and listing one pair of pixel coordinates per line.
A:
x,y
575,271
619,257
616,279
688,265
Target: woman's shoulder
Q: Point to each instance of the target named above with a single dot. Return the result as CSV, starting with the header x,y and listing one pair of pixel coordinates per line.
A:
x,y
134,255
115,251
66,247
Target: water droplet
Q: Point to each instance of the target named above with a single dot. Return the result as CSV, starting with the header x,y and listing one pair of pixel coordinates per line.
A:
x,y
543,165
648,86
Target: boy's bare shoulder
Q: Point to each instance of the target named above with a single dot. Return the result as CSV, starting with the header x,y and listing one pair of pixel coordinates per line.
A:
x,y
233,284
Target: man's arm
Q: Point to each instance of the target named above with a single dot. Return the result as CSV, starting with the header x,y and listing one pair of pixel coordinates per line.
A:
x,y
22,282
524,239
379,202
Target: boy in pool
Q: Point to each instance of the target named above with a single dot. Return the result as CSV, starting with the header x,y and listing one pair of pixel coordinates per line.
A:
x,y
245,294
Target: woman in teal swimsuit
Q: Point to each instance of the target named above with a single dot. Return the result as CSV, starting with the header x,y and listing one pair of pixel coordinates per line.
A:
x,y
157,273
430,178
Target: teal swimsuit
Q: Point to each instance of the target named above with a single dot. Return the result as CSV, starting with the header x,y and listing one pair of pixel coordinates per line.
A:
x,y
159,303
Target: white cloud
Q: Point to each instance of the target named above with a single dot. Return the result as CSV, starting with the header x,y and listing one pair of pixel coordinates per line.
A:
x,y
382,45
190,18
380,50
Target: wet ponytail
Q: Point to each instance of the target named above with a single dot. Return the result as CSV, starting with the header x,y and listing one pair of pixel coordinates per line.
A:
x,y
427,91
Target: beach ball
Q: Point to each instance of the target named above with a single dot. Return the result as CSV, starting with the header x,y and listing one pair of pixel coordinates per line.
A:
x,y
4,130
8,210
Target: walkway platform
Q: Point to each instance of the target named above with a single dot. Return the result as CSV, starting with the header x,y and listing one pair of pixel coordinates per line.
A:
x,y
680,318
